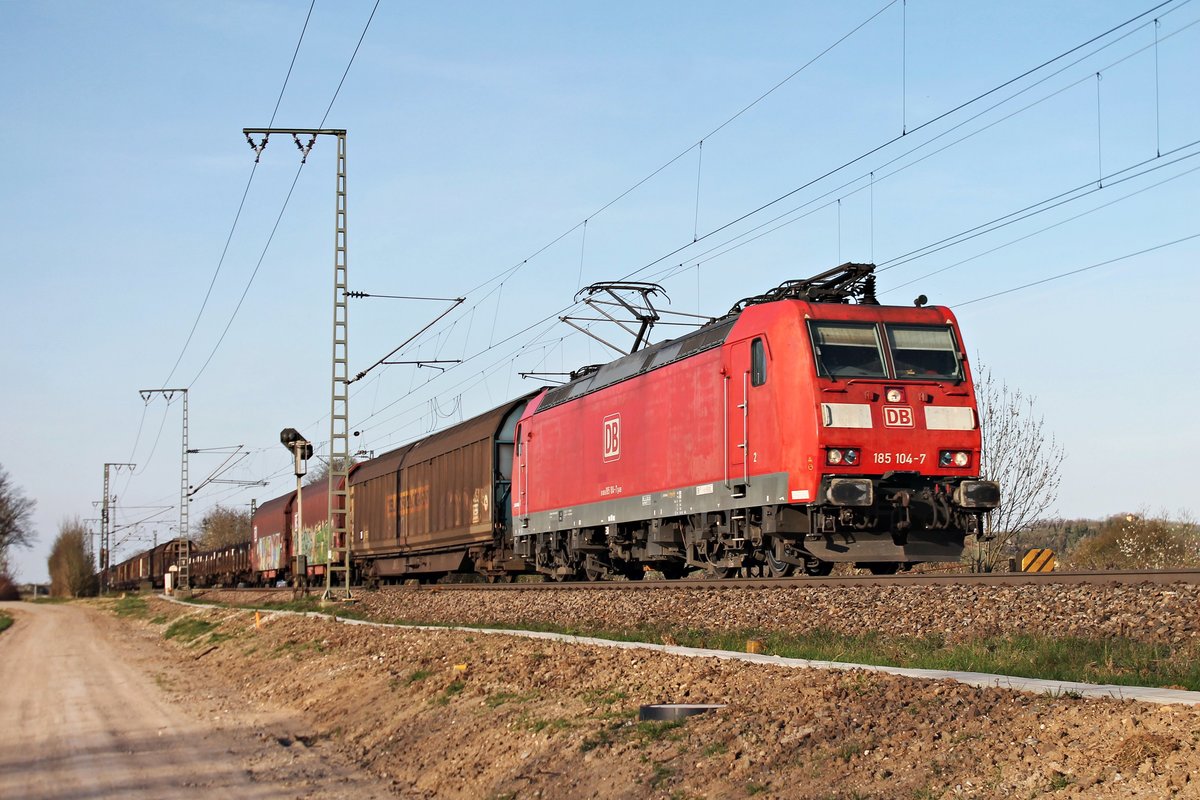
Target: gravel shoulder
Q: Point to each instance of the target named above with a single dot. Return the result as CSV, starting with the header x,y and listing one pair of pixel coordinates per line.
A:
x,y
1148,613
444,714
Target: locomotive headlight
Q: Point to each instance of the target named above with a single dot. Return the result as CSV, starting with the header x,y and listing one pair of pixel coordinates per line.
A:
x,y
894,395
954,458
842,455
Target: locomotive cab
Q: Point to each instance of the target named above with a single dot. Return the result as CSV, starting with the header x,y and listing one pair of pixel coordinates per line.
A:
x,y
886,471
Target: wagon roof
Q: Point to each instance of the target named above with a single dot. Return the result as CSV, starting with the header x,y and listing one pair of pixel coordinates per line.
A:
x,y
381,465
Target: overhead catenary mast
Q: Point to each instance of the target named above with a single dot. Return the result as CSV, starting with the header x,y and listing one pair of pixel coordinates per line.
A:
x,y
106,524
182,543
339,392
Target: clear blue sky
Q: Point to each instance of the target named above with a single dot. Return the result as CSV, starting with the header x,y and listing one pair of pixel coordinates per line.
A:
x,y
481,132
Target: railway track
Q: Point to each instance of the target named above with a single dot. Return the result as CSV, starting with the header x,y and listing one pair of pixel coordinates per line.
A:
x,y
1112,578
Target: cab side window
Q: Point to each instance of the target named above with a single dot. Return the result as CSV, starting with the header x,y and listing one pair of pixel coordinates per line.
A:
x,y
758,363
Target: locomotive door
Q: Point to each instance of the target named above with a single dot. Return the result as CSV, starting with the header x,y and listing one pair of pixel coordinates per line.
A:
x,y
737,416
520,491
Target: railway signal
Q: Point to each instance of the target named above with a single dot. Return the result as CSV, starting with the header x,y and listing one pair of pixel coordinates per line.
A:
x,y
302,451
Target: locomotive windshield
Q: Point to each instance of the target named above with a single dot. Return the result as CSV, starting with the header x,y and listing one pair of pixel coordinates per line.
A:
x,y
856,350
848,350
921,351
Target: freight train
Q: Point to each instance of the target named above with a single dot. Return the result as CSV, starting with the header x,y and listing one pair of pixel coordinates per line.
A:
x,y
808,426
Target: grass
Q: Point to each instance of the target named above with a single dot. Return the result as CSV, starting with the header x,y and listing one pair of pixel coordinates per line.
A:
x,y
6,621
188,629
1105,661
603,697
297,648
418,675
654,731
662,774
639,733
130,606
537,725
500,698
306,604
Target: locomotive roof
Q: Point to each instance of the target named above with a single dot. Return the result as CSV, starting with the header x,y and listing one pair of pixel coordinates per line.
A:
x,y
658,355
641,361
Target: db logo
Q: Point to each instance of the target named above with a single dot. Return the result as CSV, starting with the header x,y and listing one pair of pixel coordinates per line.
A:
x,y
612,437
897,416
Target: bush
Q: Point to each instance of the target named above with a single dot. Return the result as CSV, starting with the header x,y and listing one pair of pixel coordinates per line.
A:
x,y
1139,541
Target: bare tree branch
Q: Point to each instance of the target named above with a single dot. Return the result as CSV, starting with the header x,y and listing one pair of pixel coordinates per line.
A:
x,y
16,518
223,526
1022,456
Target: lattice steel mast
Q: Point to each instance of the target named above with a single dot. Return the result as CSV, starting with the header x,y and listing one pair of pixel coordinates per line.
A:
x,y
339,392
106,525
182,543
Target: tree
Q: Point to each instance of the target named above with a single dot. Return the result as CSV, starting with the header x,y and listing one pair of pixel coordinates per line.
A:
x,y
16,519
223,526
321,474
1020,454
70,568
1140,541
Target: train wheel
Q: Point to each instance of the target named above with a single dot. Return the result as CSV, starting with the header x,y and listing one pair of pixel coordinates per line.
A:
x,y
776,568
594,573
816,568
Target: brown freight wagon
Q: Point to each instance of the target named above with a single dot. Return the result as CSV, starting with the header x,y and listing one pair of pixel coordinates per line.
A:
x,y
271,539
224,566
440,505
145,570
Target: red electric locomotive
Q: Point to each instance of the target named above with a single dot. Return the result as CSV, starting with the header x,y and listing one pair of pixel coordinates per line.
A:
x,y
797,431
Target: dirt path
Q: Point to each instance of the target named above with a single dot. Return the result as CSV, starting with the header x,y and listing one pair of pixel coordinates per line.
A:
x,y
84,716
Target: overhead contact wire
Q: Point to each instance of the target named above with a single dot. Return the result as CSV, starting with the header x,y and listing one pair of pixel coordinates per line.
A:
x,y
286,200
241,203
1097,265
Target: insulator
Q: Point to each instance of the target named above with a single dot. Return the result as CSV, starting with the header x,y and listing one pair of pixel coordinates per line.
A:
x,y
868,296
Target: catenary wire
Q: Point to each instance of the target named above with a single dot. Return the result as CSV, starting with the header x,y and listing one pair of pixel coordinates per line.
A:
x,y
283,209
241,203
733,242
1097,265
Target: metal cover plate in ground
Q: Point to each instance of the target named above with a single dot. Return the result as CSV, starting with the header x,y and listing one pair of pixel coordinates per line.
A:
x,y
673,712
